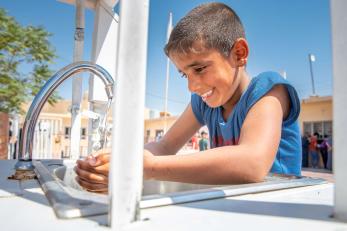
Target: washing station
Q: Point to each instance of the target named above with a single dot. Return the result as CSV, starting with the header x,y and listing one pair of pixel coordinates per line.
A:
x,y
69,200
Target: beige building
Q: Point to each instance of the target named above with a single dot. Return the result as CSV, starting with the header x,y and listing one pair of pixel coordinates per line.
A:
x,y
316,115
154,127
52,135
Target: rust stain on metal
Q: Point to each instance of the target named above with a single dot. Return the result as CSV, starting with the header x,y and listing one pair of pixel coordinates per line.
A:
x,y
23,175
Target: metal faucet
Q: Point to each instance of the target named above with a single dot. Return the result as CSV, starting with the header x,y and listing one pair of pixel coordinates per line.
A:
x,y
26,142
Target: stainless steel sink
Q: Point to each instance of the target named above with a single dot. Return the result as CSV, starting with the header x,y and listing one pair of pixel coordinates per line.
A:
x,y
69,200
150,187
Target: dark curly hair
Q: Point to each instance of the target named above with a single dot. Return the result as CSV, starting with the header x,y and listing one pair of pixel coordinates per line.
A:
x,y
213,25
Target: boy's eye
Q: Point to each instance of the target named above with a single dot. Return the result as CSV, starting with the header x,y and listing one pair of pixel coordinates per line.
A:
x,y
199,69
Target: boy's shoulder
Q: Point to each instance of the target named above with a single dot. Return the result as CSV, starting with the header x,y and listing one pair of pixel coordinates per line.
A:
x,y
261,84
269,78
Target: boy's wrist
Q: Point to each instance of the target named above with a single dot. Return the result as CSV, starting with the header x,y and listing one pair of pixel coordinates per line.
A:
x,y
149,162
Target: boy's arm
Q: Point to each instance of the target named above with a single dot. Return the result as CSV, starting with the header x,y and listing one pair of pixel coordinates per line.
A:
x,y
92,173
249,161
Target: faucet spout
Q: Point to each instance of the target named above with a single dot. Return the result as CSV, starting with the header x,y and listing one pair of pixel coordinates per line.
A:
x,y
26,142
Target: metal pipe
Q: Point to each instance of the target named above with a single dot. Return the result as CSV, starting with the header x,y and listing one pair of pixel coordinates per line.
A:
x,y
128,114
75,136
26,142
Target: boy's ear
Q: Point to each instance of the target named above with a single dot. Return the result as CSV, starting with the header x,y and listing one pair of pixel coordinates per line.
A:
x,y
240,52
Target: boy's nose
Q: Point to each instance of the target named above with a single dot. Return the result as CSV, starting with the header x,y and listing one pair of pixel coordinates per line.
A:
x,y
193,84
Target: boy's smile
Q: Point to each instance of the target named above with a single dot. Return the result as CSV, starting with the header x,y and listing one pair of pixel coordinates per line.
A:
x,y
207,95
211,75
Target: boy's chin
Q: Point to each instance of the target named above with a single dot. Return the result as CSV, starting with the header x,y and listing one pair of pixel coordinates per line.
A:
x,y
213,104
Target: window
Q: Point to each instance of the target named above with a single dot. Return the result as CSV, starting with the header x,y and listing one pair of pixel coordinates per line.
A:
x,y
83,133
322,127
318,127
307,128
328,128
67,132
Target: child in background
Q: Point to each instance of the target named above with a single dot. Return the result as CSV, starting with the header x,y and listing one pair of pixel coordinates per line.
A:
x,y
203,144
252,122
194,140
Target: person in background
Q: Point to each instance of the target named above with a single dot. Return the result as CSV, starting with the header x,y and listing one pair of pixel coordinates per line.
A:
x,y
330,153
324,147
313,151
158,136
194,140
203,143
305,142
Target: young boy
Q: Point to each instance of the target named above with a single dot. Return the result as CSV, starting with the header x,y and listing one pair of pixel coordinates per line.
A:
x,y
203,141
252,123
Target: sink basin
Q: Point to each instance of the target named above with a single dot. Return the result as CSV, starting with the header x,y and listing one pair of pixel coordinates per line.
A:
x,y
69,200
150,187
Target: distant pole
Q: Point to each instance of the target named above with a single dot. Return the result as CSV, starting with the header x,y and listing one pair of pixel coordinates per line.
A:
x,y
311,59
169,28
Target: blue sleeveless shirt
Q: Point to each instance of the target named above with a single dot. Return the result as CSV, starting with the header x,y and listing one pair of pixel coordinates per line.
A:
x,y
222,133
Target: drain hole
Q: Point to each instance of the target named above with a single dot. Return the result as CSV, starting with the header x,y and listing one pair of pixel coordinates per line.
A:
x,y
56,164
85,203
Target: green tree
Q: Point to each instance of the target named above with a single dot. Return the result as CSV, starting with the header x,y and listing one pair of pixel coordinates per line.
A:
x,y
25,55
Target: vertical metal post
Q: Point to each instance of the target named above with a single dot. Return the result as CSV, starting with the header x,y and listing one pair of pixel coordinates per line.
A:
x,y
169,28
75,135
339,51
311,71
125,183
104,51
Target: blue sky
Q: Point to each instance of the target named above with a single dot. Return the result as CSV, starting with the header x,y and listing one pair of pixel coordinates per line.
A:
x,y
281,34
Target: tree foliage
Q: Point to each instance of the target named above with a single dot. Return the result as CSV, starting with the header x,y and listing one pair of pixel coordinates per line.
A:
x,y
25,55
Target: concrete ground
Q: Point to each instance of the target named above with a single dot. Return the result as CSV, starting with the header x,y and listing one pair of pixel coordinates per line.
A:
x,y
318,172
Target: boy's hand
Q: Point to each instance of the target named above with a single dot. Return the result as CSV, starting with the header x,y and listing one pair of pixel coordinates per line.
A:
x,y
92,172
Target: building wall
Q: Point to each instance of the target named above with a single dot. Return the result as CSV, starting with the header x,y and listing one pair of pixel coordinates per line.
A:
x,y
55,143
156,125
52,142
315,110
4,133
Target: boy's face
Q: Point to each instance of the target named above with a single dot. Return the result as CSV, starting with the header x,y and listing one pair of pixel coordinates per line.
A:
x,y
210,75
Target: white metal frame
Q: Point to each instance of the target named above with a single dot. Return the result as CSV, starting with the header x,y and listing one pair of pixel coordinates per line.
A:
x,y
125,182
339,51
